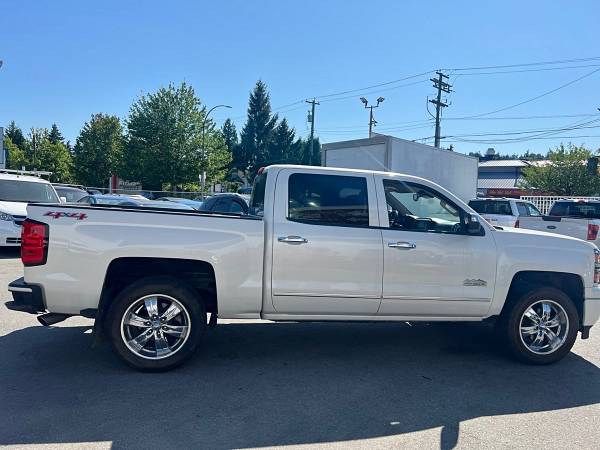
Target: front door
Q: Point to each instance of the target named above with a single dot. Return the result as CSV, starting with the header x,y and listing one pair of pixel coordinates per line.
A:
x,y
432,267
327,252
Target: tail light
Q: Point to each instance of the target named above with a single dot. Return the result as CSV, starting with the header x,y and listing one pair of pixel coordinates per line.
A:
x,y
34,243
592,233
517,224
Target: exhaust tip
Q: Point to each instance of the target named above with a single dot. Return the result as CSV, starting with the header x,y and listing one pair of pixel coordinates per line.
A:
x,y
51,318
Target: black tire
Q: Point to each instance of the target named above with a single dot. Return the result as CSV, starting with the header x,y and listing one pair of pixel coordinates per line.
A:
x,y
186,298
509,326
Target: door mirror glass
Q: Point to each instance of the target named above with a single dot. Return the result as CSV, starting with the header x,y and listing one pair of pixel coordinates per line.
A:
x,y
63,199
472,226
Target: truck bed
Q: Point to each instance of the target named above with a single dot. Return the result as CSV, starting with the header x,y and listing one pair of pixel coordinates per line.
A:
x,y
84,241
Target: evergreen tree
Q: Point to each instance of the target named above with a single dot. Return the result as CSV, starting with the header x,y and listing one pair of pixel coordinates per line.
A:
x,y
257,133
16,136
229,134
55,136
98,150
282,151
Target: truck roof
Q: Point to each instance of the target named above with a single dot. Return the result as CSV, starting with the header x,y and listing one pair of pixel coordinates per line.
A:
x,y
16,177
338,169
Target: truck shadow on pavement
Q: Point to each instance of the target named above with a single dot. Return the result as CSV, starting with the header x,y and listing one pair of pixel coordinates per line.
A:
x,y
269,384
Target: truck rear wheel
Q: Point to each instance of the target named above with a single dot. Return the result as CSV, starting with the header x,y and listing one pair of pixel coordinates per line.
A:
x,y
541,327
155,324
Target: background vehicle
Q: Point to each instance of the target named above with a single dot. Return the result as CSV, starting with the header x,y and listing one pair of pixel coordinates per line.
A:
x,y
455,171
225,203
322,245
126,200
16,191
504,212
70,194
575,218
184,201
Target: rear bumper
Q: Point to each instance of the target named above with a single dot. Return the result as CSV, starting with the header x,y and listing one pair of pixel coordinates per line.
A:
x,y
10,234
591,306
26,297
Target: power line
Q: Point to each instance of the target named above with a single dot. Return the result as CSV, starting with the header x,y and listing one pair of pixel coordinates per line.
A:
x,y
537,96
539,63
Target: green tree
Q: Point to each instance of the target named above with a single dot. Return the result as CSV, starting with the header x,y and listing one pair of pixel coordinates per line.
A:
x,y
165,136
16,136
305,157
283,144
32,151
230,134
565,174
16,158
256,136
56,159
55,136
98,150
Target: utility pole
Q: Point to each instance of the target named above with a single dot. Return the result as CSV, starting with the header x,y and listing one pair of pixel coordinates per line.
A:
x,y
441,86
372,121
311,119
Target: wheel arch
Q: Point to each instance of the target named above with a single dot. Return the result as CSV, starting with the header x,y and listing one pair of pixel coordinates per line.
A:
x,y
524,281
121,272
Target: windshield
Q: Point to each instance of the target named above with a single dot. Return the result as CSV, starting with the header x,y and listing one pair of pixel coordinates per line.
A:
x,y
27,192
587,210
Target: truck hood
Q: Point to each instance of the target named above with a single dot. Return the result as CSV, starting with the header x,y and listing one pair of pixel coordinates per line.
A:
x,y
534,237
13,208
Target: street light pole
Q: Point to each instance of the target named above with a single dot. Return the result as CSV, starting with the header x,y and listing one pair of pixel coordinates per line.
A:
x,y
203,174
372,120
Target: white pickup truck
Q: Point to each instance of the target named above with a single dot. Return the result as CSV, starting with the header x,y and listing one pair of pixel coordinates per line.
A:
x,y
575,218
320,244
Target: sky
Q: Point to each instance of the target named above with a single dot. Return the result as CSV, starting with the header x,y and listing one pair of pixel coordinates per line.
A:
x,y
65,60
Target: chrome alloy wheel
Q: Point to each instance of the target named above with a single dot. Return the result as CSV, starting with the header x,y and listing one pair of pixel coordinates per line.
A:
x,y
544,327
155,326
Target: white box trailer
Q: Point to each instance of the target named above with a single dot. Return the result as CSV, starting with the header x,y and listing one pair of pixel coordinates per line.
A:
x,y
454,171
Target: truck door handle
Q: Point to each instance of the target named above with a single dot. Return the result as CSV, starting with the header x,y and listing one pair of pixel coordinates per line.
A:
x,y
295,240
402,245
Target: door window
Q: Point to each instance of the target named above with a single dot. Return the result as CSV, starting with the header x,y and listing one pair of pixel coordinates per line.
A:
x,y
328,200
533,211
413,207
522,209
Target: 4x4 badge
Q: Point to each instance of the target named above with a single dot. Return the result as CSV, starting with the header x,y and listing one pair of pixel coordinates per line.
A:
x,y
59,214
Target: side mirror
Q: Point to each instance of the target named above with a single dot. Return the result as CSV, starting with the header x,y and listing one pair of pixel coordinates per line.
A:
x,y
63,199
472,225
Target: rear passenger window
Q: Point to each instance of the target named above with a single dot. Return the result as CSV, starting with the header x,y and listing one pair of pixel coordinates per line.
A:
x,y
522,209
328,200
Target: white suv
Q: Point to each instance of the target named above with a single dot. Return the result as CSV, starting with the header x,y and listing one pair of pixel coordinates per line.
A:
x,y
16,191
504,212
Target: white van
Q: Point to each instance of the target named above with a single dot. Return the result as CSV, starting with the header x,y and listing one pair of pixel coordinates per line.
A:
x,y
16,191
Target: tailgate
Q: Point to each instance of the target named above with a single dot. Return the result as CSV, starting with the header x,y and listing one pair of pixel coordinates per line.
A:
x,y
577,228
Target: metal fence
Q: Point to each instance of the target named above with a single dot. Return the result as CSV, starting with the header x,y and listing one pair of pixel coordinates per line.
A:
x,y
545,202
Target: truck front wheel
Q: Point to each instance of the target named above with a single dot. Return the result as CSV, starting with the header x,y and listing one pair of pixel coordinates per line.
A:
x,y
541,326
155,324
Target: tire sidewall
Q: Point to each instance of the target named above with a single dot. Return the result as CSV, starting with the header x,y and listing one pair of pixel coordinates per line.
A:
x,y
513,332
166,286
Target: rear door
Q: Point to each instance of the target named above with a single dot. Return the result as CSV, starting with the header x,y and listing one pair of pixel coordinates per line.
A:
x,y
327,249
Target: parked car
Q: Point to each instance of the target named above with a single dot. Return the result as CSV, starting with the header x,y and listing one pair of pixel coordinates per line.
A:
x,y
183,201
322,244
575,218
225,203
16,191
504,212
126,200
69,194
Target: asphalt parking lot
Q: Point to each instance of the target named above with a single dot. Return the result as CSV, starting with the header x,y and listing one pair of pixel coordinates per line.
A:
x,y
319,385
